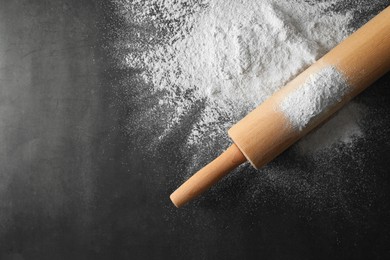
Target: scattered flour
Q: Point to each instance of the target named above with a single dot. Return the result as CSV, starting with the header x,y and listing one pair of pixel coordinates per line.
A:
x,y
231,55
320,92
340,129
188,70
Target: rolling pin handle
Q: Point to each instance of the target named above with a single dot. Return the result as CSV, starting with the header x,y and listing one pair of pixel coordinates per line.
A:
x,y
208,176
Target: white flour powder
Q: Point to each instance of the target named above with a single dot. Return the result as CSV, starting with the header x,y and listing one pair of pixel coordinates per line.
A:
x,y
320,92
188,70
231,55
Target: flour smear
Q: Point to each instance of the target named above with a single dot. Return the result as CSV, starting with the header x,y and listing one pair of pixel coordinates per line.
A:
x,y
320,92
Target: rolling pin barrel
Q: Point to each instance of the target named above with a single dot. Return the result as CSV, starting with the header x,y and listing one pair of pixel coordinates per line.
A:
x,y
266,132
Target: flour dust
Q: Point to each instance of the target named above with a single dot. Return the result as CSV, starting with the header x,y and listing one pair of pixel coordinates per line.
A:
x,y
197,67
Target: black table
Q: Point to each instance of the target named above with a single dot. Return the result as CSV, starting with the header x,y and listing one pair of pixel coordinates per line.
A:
x,y
75,185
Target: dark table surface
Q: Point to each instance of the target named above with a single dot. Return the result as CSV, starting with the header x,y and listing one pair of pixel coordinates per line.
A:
x,y
75,185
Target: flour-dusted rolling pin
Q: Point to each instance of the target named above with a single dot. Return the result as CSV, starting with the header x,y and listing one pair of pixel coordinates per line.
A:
x,y
305,102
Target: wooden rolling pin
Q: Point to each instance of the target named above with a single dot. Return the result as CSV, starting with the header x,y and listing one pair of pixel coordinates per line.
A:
x,y
266,132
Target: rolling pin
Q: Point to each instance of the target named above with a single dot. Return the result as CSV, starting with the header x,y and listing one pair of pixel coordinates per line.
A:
x,y
266,132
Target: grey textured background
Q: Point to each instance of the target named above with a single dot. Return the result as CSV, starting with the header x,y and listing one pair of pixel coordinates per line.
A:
x,y
74,185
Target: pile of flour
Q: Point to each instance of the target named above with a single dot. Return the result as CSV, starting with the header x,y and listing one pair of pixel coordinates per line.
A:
x,y
230,56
